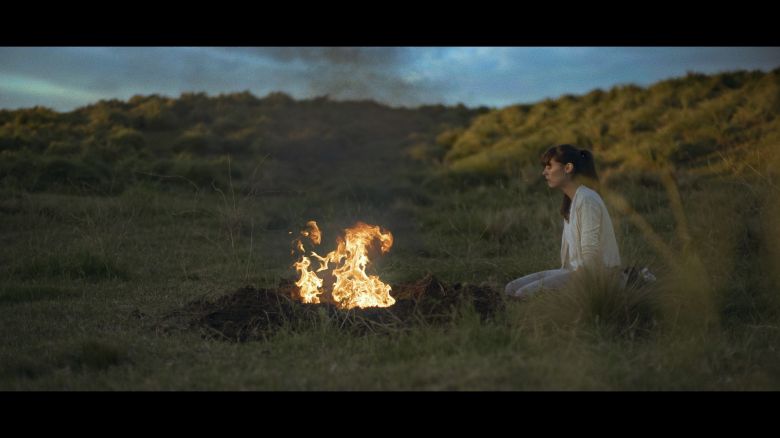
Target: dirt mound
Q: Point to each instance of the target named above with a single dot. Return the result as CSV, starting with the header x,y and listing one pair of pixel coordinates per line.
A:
x,y
249,313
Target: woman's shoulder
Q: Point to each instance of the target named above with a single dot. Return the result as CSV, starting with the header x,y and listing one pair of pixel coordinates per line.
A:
x,y
584,192
588,196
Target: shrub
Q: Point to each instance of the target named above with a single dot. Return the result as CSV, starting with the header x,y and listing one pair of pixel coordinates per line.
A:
x,y
63,148
127,140
595,301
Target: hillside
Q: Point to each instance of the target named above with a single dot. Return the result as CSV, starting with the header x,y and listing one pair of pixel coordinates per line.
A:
x,y
113,143
690,122
708,124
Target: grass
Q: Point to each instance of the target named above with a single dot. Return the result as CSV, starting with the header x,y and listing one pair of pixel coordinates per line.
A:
x,y
84,278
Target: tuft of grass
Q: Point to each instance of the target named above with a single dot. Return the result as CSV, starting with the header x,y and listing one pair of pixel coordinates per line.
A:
x,y
81,265
95,355
24,367
595,301
14,294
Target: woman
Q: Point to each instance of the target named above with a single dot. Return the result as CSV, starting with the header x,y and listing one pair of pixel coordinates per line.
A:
x,y
588,239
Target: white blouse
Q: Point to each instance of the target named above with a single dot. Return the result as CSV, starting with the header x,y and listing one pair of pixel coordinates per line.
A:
x,y
588,238
568,237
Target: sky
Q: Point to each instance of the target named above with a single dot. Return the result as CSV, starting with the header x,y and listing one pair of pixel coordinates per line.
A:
x,y
65,78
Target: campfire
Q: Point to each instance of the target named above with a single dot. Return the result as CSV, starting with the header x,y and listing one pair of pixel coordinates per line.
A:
x,y
340,288
351,286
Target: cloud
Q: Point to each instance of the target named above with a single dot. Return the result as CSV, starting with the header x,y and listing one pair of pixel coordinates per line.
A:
x,y
42,92
342,73
408,76
509,75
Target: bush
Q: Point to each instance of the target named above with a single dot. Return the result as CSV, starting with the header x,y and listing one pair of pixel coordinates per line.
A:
x,y
198,141
691,150
596,302
88,173
17,168
63,148
127,140
202,173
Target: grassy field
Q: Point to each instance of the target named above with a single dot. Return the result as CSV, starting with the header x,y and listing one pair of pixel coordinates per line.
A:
x,y
118,214
84,278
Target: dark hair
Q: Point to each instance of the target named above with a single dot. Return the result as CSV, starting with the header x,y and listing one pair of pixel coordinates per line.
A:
x,y
584,168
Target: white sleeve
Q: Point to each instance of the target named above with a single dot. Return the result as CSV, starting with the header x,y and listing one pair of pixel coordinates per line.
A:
x,y
589,219
563,239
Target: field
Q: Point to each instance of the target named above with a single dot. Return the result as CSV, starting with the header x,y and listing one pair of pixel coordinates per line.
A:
x,y
87,279
149,244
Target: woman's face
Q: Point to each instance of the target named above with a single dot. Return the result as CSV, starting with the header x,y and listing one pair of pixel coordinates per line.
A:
x,y
555,174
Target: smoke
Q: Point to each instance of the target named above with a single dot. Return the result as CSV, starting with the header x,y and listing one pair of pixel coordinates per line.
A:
x,y
354,56
355,73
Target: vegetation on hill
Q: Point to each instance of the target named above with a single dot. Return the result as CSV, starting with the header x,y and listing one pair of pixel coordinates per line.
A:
x,y
686,122
114,143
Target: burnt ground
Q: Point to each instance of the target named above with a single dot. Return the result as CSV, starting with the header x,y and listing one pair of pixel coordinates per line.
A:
x,y
252,314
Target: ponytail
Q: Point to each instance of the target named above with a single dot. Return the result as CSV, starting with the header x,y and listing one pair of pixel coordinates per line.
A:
x,y
587,169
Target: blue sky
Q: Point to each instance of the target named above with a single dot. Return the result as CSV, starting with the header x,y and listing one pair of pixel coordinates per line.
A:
x,y
65,78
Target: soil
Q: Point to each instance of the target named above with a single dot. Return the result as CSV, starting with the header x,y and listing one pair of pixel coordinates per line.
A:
x,y
253,314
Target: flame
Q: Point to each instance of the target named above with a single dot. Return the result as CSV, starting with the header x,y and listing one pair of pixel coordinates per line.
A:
x,y
309,284
312,231
352,287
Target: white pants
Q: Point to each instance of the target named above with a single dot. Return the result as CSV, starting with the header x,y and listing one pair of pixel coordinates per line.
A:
x,y
532,283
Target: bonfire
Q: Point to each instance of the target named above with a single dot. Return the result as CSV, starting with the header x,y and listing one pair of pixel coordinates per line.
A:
x,y
352,287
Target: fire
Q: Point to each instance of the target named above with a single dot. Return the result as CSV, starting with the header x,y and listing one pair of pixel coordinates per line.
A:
x,y
309,284
352,287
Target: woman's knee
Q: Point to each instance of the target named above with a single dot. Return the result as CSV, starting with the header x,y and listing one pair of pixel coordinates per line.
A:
x,y
529,289
552,282
513,286
510,288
